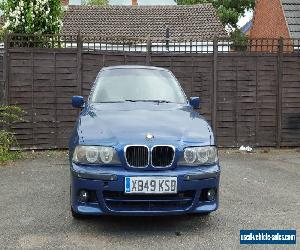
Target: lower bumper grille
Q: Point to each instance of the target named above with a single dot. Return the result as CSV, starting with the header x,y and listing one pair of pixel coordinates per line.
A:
x,y
118,201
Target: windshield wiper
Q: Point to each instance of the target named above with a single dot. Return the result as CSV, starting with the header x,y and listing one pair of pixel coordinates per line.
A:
x,y
158,101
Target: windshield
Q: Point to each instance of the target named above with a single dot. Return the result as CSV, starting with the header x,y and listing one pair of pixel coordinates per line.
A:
x,y
121,85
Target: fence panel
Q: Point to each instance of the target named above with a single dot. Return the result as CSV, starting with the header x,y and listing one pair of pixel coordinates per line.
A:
x,y
290,100
253,98
226,108
66,86
266,106
20,92
42,83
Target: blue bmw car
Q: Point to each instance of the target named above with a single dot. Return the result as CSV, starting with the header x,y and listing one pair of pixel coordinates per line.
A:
x,y
139,147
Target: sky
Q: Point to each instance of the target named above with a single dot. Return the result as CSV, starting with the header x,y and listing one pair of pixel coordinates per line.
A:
x,y
243,20
241,23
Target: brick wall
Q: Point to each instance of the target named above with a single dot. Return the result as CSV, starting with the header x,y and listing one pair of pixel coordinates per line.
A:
x,y
269,20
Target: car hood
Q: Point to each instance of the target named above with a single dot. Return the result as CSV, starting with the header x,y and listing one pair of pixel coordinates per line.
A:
x,y
128,123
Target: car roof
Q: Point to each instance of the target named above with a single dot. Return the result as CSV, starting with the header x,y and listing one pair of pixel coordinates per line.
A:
x,y
134,67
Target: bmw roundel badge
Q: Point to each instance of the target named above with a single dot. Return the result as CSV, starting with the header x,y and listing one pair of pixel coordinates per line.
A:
x,y
149,136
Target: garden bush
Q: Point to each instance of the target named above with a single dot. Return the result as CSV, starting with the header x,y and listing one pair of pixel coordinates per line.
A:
x,y
8,116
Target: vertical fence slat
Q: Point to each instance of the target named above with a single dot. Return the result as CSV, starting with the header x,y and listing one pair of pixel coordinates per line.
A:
x,y
236,103
6,71
56,144
79,63
256,102
33,120
215,82
279,92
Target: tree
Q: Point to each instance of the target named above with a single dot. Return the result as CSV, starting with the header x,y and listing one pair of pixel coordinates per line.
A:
x,y
96,2
229,11
239,40
32,16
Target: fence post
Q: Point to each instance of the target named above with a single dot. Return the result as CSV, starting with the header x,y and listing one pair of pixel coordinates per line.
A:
x,y
79,63
5,92
215,82
279,90
148,56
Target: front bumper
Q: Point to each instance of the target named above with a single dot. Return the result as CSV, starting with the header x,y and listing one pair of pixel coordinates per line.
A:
x,y
108,186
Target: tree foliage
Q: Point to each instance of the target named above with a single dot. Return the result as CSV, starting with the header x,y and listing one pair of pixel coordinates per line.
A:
x,y
229,11
96,2
32,16
239,40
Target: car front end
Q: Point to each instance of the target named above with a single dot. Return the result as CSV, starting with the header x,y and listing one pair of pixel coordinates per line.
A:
x,y
142,156
124,189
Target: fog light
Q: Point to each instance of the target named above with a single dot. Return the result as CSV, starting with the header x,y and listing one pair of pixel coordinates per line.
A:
x,y
211,194
83,196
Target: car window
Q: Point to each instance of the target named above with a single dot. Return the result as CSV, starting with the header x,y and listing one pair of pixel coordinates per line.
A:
x,y
118,85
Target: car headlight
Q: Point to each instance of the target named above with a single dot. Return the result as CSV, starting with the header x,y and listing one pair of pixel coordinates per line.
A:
x,y
95,155
194,156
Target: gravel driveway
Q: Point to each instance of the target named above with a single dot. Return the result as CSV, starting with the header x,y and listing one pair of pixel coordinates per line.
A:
x,y
258,191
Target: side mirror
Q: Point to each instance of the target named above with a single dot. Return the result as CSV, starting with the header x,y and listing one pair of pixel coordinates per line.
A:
x,y
195,102
77,101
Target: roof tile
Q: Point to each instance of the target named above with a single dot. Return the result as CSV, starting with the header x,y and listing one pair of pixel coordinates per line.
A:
x,y
198,21
292,14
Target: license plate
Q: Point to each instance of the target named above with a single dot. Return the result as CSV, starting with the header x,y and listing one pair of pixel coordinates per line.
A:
x,y
151,185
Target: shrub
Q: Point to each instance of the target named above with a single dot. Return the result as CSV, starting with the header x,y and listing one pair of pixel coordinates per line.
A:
x,y
9,115
7,141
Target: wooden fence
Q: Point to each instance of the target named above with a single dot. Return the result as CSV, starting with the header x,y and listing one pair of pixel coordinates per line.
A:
x,y
250,98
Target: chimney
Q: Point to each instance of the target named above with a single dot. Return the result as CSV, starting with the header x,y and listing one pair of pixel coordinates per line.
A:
x,y
134,2
65,2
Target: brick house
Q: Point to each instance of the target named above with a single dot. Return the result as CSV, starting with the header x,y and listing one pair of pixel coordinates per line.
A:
x,y
275,19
